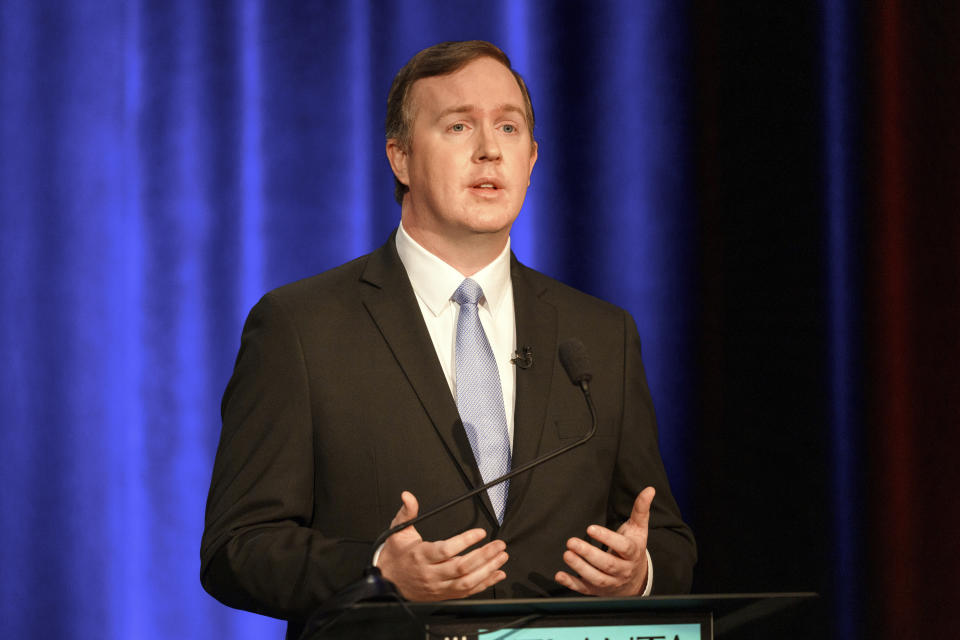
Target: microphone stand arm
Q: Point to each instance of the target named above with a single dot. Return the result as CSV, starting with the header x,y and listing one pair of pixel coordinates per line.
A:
x,y
585,387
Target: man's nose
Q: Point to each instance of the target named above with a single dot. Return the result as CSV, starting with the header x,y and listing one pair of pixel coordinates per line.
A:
x,y
488,147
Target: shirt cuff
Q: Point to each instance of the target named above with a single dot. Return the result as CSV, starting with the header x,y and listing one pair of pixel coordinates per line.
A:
x,y
649,587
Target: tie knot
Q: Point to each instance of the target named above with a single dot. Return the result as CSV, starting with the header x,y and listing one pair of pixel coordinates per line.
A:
x,y
469,292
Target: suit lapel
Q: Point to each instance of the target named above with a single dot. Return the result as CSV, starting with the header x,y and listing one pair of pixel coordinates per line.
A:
x,y
391,302
537,329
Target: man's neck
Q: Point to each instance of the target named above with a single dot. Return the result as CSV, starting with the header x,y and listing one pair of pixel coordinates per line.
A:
x,y
467,254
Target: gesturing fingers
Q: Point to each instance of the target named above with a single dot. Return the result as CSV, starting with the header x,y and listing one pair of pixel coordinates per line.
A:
x,y
409,508
457,576
622,568
445,562
640,514
625,546
573,583
443,550
596,566
487,555
602,572
443,569
477,570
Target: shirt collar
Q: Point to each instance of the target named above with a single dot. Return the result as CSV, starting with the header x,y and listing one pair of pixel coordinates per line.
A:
x,y
434,281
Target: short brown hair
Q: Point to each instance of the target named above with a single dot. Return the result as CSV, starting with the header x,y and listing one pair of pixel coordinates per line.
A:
x,y
438,60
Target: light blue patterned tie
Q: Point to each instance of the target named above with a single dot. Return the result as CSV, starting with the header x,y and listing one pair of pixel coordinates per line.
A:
x,y
479,396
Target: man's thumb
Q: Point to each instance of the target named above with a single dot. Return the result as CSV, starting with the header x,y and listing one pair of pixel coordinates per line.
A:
x,y
408,509
410,506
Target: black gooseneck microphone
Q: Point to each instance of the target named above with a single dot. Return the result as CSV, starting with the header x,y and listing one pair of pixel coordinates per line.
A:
x,y
573,357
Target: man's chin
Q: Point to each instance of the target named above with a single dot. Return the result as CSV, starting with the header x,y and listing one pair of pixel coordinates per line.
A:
x,y
483,232
486,222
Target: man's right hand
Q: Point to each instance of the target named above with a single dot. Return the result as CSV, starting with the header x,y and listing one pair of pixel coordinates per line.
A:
x,y
436,570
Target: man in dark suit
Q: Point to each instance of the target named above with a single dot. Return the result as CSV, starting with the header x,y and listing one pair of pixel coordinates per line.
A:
x,y
356,391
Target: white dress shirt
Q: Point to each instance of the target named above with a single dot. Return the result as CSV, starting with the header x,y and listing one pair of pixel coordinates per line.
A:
x,y
434,283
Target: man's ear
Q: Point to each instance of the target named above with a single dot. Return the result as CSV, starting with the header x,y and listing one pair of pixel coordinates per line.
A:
x,y
533,161
399,159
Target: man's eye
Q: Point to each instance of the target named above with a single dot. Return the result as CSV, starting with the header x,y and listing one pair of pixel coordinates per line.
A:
x,y
458,127
509,128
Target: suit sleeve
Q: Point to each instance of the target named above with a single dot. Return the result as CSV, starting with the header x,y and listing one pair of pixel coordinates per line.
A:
x,y
259,551
670,543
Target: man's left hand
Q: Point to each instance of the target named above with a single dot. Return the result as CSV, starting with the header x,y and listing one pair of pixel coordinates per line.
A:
x,y
621,570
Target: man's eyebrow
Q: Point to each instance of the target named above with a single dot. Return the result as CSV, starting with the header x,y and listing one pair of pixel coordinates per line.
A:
x,y
467,108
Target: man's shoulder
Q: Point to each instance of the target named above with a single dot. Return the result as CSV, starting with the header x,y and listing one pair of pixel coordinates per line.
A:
x,y
325,297
566,297
330,282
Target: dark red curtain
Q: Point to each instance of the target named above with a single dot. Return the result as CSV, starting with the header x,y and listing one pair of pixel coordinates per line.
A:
x,y
913,429
846,475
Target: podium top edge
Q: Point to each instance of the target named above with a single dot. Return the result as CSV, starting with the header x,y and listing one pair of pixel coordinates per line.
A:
x,y
715,602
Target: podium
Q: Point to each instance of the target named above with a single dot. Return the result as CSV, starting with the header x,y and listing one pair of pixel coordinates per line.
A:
x,y
692,617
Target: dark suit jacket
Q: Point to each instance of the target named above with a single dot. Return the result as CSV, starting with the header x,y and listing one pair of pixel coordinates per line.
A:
x,y
338,403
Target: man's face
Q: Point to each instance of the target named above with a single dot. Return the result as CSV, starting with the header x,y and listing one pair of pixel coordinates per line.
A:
x,y
471,153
